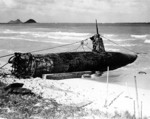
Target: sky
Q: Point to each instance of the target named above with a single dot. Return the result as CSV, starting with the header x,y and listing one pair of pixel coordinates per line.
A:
x,y
78,11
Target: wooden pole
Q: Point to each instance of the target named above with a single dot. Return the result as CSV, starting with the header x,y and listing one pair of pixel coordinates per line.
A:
x,y
141,109
134,116
137,98
107,86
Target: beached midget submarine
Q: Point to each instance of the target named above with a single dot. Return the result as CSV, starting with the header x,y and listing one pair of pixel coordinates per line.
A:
x,y
25,65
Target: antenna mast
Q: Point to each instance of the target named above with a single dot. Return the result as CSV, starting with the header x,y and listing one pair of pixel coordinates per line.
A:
x,y
97,27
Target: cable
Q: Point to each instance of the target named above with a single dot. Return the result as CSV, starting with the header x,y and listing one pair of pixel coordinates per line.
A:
x,y
89,47
77,48
3,65
120,46
81,45
83,48
46,48
74,49
57,46
6,55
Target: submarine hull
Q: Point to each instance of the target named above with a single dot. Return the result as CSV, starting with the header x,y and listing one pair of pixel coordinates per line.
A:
x,y
27,65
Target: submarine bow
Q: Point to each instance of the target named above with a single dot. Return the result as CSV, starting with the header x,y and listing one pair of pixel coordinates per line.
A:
x,y
118,60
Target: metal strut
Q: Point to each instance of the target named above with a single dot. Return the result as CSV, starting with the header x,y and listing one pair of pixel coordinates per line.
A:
x,y
97,28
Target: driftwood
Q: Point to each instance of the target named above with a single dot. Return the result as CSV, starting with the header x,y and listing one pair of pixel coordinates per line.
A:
x,y
27,65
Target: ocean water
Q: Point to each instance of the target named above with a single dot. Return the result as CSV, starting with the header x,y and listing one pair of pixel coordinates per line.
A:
x,y
127,38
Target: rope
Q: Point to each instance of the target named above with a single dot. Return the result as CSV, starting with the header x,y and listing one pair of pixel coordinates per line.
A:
x,y
120,46
77,48
83,48
74,49
47,48
58,46
89,47
3,65
6,55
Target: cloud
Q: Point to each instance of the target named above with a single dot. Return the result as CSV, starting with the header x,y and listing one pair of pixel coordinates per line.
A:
x,y
9,3
77,10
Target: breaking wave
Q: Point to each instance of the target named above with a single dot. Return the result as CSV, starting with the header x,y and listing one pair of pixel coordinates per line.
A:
x,y
147,41
49,35
17,38
120,45
33,40
43,34
139,36
128,45
110,35
58,37
8,31
117,38
112,49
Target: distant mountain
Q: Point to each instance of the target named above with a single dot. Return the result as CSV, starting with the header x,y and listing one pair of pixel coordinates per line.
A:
x,y
30,21
18,21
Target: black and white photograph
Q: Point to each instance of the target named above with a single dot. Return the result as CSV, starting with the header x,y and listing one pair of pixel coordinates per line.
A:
x,y
74,59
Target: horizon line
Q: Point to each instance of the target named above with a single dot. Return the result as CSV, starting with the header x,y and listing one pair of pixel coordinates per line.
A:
x,y
79,23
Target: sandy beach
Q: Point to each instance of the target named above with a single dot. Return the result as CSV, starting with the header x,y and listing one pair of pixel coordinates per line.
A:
x,y
94,95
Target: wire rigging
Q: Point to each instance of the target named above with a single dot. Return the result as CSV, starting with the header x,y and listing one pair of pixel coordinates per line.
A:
x,y
121,46
6,55
57,46
47,48
76,49
3,65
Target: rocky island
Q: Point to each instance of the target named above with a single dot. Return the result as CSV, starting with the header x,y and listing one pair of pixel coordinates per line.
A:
x,y
18,21
30,21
